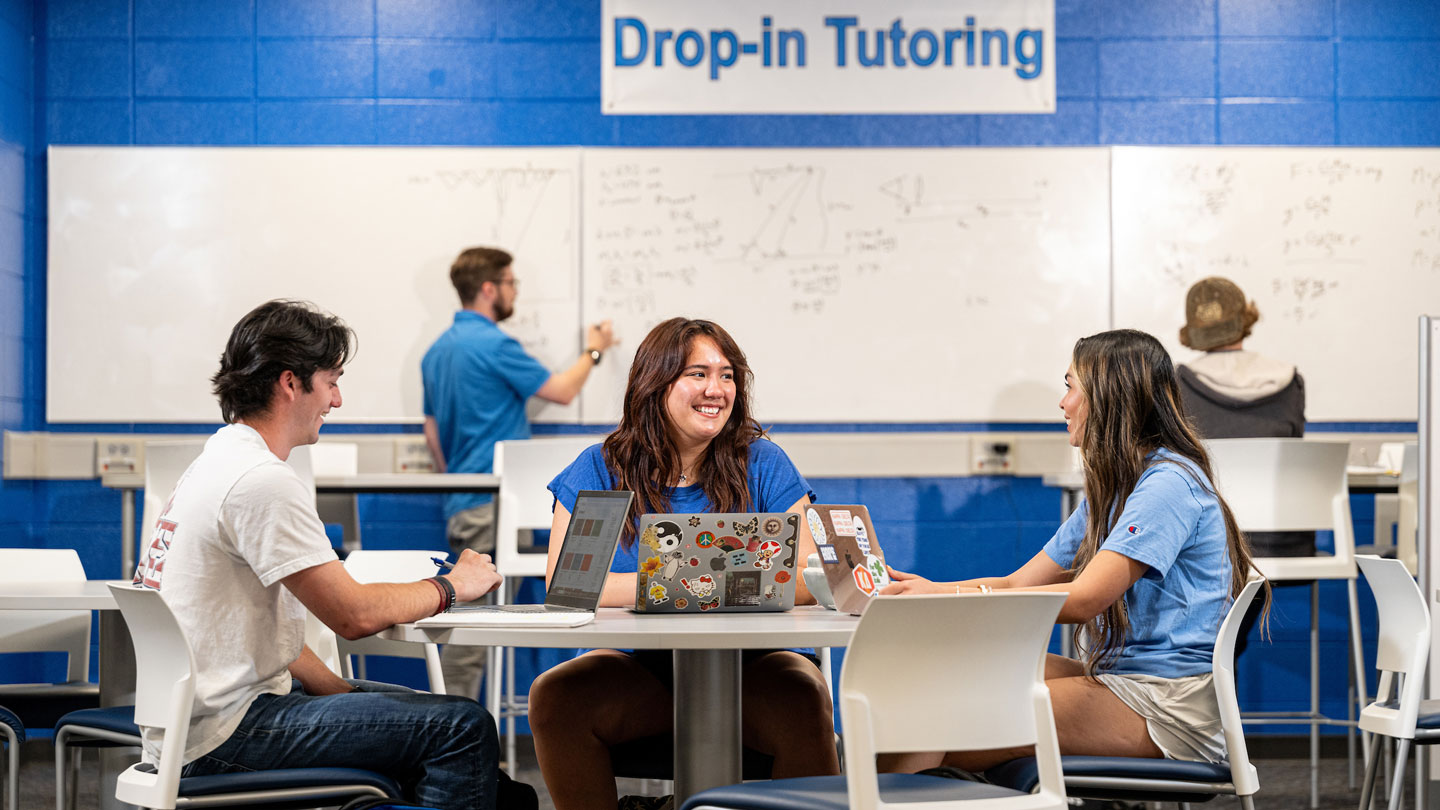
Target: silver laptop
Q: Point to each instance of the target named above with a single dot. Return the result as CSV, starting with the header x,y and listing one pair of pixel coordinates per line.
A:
x,y
703,562
579,575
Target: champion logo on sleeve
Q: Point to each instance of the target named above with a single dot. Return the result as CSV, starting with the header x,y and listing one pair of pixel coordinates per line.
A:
x,y
1133,529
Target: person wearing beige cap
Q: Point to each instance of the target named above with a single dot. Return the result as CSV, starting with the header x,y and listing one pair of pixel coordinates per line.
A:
x,y
1231,393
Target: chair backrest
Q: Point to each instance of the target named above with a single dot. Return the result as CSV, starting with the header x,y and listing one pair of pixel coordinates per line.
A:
x,y
1281,485
164,694
1242,773
66,631
1404,643
393,566
525,468
949,673
1409,499
165,462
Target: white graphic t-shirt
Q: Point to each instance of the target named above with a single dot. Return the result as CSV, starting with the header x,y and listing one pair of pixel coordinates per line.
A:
x,y
240,520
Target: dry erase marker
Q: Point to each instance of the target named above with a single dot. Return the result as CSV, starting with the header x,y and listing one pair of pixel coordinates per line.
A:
x,y
442,563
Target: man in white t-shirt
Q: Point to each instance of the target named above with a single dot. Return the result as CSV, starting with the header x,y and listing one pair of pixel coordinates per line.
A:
x,y
239,554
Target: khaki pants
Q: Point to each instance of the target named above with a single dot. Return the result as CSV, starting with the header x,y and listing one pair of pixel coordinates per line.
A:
x,y
463,665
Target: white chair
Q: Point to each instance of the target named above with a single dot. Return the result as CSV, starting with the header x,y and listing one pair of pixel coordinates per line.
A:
x,y
1396,512
972,679
67,632
164,698
525,504
1399,710
1167,780
1276,485
391,566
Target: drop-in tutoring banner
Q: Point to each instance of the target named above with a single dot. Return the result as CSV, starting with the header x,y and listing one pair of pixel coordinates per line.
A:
x,y
827,56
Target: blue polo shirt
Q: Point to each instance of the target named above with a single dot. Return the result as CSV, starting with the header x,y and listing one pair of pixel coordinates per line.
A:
x,y
1173,524
477,379
774,483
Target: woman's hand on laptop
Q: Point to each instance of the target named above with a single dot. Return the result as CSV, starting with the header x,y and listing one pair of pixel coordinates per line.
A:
x,y
473,576
903,583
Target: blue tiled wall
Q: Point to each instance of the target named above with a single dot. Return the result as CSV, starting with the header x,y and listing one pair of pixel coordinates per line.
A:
x,y
526,72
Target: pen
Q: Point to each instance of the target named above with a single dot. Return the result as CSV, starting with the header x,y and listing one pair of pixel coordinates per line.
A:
x,y
442,563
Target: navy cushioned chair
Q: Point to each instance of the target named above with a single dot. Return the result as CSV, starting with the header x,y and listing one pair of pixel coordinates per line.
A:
x,y
111,727
165,693
1165,780
975,660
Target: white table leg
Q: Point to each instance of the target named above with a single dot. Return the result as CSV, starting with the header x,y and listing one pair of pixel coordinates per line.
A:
x,y
707,721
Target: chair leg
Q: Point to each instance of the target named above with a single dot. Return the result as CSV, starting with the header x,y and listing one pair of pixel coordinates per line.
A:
x,y
1247,802
1314,695
1402,754
510,705
62,771
12,773
1367,782
1357,653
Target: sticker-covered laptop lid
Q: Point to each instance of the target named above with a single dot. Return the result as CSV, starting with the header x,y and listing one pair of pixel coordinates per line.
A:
x,y
722,562
849,552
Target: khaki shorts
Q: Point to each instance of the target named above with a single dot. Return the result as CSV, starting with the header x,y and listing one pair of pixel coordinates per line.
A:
x,y
1181,714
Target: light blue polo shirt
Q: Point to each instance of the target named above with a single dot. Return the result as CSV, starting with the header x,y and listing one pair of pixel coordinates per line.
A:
x,y
477,379
1173,524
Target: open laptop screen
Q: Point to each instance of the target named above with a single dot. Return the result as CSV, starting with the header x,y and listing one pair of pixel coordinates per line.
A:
x,y
588,549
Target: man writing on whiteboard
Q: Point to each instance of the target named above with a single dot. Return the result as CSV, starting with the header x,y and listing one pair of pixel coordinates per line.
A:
x,y
477,380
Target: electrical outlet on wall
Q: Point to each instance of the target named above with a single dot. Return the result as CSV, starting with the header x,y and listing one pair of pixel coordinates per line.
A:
x,y
412,455
992,457
116,455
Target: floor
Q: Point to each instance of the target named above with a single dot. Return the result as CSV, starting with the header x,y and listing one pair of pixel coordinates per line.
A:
x,y
1284,782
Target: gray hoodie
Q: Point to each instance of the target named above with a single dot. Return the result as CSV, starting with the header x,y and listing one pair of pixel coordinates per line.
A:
x,y
1239,394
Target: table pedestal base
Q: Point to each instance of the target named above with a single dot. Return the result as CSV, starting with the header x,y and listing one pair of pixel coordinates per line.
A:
x,y
707,717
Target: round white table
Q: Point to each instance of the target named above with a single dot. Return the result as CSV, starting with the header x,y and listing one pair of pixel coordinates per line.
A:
x,y
707,668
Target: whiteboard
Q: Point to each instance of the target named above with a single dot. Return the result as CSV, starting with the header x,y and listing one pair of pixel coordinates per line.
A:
x,y
885,285
1339,248
155,253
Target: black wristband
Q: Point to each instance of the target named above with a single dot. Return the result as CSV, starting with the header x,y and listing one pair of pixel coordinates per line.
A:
x,y
449,592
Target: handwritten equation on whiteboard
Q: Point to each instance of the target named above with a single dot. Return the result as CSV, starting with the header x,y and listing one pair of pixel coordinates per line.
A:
x,y
1339,248
879,254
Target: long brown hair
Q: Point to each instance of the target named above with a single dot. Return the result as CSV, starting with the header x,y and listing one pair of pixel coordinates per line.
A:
x,y
641,453
1129,385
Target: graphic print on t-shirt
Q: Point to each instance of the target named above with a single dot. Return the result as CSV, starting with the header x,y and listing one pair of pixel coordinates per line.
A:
x,y
152,568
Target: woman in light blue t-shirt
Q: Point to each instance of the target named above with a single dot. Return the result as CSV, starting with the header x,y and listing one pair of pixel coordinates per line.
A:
x,y
685,443
1149,577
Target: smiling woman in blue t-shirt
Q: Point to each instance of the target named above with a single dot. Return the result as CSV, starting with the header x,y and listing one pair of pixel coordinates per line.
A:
x,y
1150,577
686,443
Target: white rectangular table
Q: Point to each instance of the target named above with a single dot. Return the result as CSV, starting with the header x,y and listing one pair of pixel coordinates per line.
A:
x,y
117,652
707,668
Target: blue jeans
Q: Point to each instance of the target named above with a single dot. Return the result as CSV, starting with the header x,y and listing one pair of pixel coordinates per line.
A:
x,y
441,749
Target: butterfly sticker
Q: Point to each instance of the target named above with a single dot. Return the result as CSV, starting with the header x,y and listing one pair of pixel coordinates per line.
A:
x,y
747,528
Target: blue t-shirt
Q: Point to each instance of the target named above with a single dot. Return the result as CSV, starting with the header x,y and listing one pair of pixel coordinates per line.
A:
x,y
1173,524
775,485
477,379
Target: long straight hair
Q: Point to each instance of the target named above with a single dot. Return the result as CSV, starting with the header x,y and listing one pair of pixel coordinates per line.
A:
x,y
642,455
1130,388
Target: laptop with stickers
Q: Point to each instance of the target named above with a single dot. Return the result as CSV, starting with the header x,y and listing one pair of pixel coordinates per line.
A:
x,y
717,562
849,552
579,576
